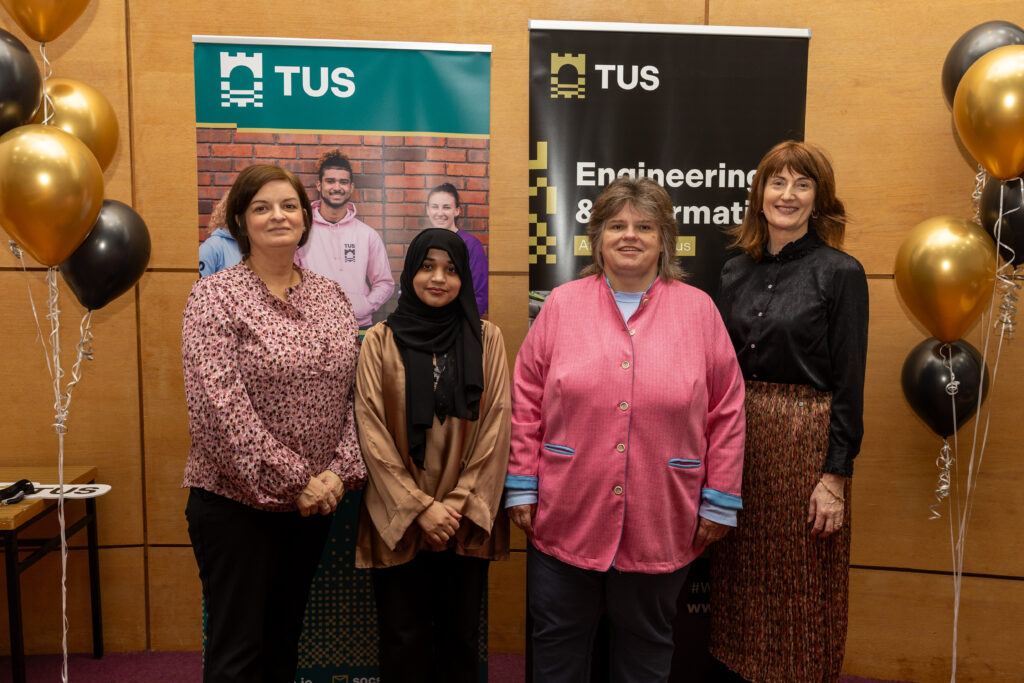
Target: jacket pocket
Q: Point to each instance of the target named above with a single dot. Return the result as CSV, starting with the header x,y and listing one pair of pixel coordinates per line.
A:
x,y
683,463
561,450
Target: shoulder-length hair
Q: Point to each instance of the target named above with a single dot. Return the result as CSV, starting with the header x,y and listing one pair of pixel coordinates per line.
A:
x,y
648,199
245,187
828,218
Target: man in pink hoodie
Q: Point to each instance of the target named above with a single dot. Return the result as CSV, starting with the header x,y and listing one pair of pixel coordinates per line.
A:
x,y
342,247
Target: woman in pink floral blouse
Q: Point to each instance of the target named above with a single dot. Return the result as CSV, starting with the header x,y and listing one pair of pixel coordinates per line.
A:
x,y
269,354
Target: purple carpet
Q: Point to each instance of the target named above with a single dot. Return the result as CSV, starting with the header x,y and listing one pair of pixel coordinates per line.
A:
x,y
185,667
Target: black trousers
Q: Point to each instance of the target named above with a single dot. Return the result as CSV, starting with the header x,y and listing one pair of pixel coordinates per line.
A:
x,y
428,611
256,568
566,604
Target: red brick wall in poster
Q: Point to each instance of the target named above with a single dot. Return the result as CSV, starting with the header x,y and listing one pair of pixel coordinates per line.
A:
x,y
392,173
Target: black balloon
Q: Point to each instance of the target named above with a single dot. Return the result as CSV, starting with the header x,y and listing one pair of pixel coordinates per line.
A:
x,y
21,84
111,259
972,45
1011,232
926,375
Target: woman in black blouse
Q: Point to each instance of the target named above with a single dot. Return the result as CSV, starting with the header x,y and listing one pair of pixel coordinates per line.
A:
x,y
797,310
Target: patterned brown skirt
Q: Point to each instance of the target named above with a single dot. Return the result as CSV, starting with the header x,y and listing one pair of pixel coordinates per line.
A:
x,y
779,595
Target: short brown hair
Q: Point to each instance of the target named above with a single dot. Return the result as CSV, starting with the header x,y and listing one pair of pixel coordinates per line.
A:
x,y
245,187
828,218
647,198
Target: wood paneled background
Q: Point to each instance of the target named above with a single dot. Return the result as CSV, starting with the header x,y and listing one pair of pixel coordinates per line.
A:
x,y
874,101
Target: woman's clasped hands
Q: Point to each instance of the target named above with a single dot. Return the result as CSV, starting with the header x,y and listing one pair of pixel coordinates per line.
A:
x,y
321,495
439,523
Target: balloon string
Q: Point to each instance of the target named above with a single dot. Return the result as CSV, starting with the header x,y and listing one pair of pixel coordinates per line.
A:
x,y
943,462
53,314
18,254
62,399
84,352
47,74
952,388
1005,325
1005,274
63,558
62,402
979,185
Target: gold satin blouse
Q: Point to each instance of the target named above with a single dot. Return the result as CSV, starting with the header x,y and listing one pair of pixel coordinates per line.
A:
x,y
465,460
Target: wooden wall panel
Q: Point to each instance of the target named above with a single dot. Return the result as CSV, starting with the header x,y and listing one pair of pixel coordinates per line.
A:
x,y
509,310
904,628
161,300
874,101
104,415
175,599
895,473
507,604
103,423
122,594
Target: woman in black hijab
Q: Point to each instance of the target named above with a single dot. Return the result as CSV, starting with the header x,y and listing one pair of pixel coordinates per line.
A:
x,y
432,406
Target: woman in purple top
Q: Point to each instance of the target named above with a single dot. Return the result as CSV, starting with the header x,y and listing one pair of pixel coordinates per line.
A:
x,y
443,208
269,355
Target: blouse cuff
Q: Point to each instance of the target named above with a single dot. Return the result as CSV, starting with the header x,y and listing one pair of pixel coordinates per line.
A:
x,y
470,506
515,497
838,463
404,516
521,482
721,499
715,513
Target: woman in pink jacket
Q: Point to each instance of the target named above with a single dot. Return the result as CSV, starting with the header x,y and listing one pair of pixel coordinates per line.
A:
x,y
627,443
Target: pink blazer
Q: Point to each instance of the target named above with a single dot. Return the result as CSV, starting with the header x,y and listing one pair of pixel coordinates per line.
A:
x,y
623,428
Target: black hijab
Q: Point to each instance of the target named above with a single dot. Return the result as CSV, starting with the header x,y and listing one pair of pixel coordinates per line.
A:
x,y
422,331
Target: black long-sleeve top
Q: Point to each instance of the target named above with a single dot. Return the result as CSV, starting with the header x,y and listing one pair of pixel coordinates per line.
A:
x,y
801,317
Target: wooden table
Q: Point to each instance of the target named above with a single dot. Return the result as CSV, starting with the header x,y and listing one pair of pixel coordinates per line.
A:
x,y
16,518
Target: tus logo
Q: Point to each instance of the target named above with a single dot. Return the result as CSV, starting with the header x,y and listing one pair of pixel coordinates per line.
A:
x,y
241,97
569,80
568,76
628,76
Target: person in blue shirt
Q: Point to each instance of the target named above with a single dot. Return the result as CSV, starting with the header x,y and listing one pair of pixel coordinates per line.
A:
x,y
220,250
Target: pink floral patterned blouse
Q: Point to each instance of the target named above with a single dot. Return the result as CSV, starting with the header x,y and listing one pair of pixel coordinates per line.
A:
x,y
269,387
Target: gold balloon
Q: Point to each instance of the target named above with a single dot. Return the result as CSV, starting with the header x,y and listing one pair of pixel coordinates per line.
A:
x,y
945,272
51,191
989,111
83,111
44,20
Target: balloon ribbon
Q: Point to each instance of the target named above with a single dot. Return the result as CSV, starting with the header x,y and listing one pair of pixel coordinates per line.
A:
x,y
943,462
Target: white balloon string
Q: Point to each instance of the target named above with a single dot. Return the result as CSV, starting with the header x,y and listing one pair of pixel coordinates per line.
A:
x,y
61,404
16,250
952,389
53,314
1005,324
84,352
943,462
47,74
979,186
1005,285
63,558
